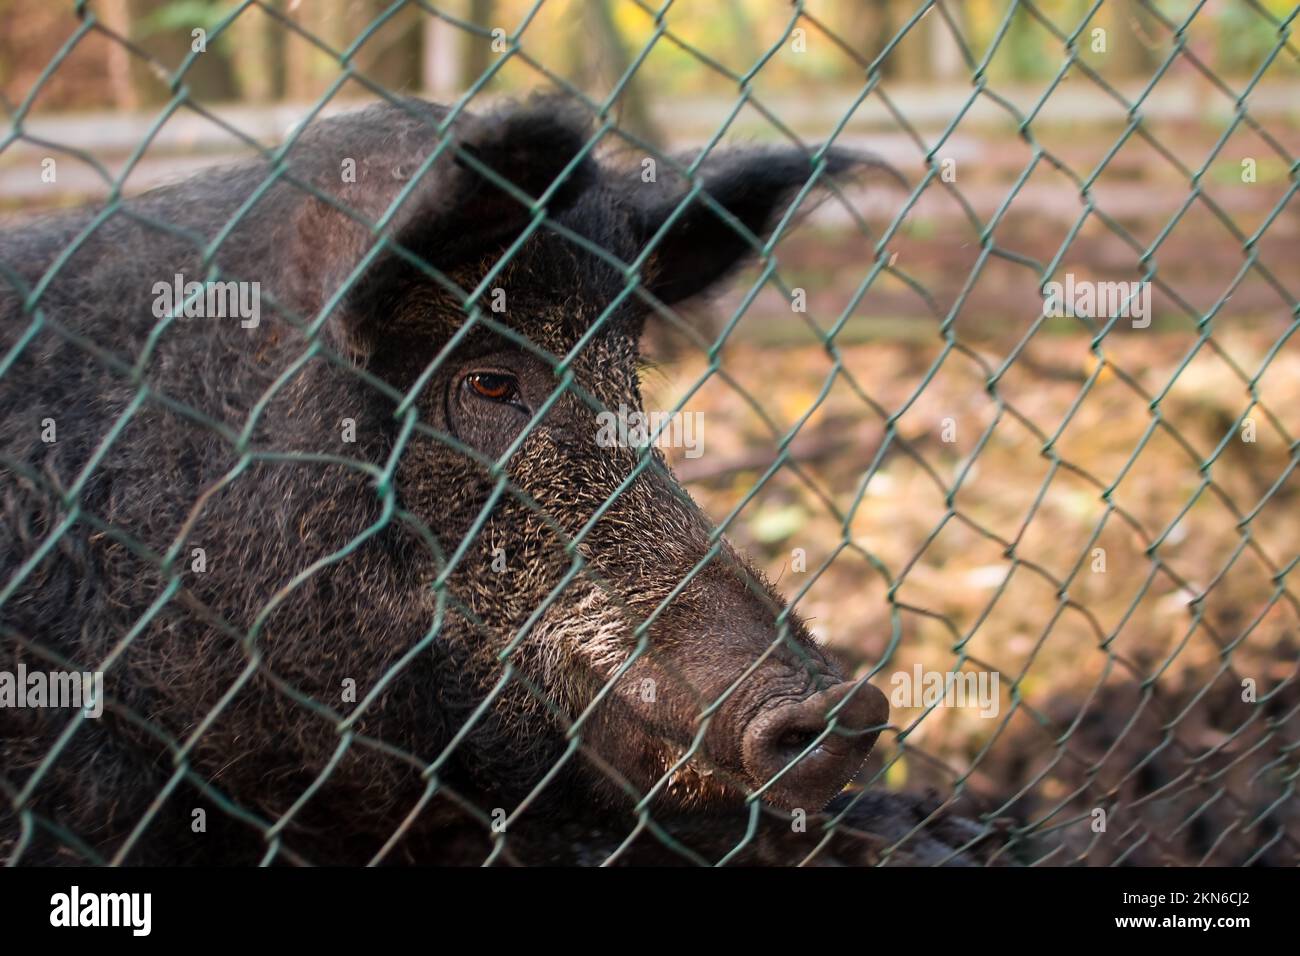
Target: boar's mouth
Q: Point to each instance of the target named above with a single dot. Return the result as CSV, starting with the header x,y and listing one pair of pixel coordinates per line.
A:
x,y
774,739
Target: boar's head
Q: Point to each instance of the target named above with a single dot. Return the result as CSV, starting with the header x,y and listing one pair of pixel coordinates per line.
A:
x,y
615,621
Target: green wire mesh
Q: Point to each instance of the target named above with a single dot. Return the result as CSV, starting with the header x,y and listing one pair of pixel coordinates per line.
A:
x,y
1199,792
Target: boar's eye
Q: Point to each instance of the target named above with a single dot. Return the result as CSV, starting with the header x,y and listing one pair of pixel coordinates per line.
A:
x,y
495,387
488,401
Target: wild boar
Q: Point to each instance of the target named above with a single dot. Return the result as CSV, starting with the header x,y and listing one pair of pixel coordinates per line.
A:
x,y
361,582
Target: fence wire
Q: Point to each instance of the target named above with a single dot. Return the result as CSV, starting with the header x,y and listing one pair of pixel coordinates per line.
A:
x,y
1030,798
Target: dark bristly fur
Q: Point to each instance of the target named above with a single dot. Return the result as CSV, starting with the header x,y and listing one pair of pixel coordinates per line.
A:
x,y
318,575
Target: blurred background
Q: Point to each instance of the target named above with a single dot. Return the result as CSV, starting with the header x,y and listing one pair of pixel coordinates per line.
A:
x,y
1103,515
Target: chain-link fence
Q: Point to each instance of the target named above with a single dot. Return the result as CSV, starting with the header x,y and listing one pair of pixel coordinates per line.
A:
x,y
1001,395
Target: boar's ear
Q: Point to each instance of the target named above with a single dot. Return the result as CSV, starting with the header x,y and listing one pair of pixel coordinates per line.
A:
x,y
457,212
527,146
755,186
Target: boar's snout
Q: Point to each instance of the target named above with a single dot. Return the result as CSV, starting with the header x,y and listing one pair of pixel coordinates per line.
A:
x,y
778,735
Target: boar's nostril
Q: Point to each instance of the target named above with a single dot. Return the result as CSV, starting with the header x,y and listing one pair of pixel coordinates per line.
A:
x,y
795,742
778,736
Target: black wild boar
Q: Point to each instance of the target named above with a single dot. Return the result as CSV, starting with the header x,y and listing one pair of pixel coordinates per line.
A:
x,y
387,643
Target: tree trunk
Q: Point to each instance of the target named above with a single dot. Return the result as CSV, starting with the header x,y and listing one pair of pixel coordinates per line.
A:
x,y
634,110
1132,38
257,56
441,68
309,69
476,51
116,15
